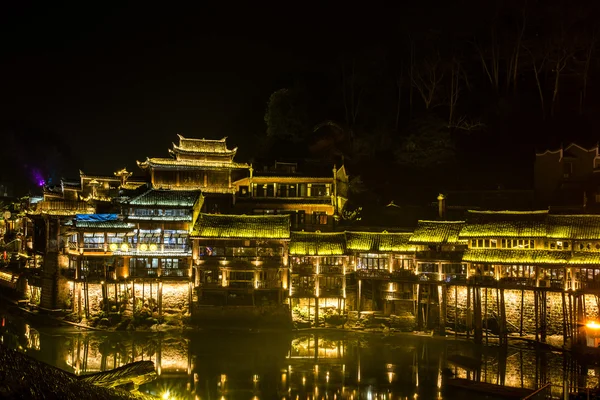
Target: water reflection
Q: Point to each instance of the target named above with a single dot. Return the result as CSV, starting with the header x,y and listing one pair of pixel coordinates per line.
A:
x,y
225,365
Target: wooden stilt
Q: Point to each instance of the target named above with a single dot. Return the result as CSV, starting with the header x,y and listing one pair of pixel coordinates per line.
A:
x,y
477,314
468,317
564,316
485,313
455,311
522,312
543,315
536,311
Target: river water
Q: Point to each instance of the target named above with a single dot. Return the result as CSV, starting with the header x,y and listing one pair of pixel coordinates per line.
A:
x,y
299,365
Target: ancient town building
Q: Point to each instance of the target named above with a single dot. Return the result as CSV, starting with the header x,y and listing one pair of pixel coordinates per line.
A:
x,y
314,198
241,259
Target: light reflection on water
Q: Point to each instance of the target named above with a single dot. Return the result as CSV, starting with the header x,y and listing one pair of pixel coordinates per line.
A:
x,y
226,365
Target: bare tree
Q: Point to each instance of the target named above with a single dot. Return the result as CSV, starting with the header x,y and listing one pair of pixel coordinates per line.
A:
x,y
351,94
588,58
427,78
455,72
538,64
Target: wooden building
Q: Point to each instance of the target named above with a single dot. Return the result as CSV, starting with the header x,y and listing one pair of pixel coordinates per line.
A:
x,y
319,265
313,198
384,268
198,164
241,259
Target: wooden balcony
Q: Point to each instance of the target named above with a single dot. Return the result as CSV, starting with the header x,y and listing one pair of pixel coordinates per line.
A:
x,y
331,269
273,284
304,269
331,292
392,295
303,292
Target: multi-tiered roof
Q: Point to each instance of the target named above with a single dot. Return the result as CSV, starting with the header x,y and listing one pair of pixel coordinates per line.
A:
x,y
196,154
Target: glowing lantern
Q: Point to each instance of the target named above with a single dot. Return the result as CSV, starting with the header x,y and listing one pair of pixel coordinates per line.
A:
x,y
153,247
113,247
124,247
144,247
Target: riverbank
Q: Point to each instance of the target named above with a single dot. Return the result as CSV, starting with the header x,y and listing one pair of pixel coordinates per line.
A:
x,y
22,377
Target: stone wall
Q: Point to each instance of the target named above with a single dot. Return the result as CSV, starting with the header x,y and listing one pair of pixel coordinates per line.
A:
x,y
175,297
457,309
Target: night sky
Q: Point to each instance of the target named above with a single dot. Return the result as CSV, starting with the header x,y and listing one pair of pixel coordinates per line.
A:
x,y
98,87
120,83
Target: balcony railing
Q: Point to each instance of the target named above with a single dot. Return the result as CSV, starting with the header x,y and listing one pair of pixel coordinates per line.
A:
x,y
387,295
331,269
303,291
268,285
589,285
373,274
144,273
335,292
175,272
304,269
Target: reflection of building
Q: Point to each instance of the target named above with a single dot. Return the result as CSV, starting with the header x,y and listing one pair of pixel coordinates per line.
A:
x,y
240,259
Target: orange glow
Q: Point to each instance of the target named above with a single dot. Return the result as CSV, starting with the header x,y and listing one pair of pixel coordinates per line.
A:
x,y
593,325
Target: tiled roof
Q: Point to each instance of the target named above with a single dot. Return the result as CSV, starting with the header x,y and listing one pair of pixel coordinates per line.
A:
x,y
520,224
285,200
317,244
436,232
585,258
170,163
203,145
167,198
132,185
384,242
242,226
103,225
581,227
519,257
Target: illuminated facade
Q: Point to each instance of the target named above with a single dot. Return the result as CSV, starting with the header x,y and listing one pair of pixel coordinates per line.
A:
x,y
319,264
313,198
198,164
385,271
241,259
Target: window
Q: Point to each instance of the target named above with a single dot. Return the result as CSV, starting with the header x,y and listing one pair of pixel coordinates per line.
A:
x,y
320,218
319,190
567,169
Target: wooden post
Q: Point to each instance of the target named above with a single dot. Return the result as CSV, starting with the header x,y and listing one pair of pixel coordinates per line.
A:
x,y
543,315
455,311
485,315
477,314
503,330
133,293
443,311
522,311
535,306
467,317
564,322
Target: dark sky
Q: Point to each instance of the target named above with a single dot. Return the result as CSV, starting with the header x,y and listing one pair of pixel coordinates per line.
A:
x,y
119,83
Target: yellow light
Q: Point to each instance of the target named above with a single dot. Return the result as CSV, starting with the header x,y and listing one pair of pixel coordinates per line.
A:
x,y
124,247
166,395
153,247
593,325
144,247
113,247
